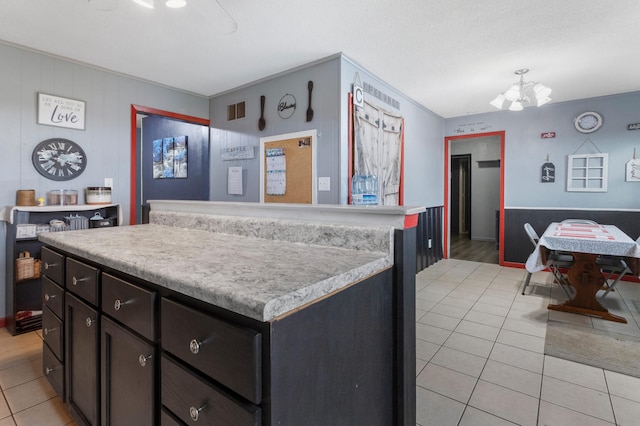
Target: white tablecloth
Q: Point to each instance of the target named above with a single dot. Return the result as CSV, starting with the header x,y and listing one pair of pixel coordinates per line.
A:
x,y
583,238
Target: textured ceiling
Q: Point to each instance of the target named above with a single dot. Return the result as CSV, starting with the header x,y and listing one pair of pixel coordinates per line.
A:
x,y
451,56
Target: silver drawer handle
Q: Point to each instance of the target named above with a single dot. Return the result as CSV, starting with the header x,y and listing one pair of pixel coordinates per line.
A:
x,y
194,346
75,280
48,265
89,321
118,304
48,370
195,412
143,360
48,330
47,297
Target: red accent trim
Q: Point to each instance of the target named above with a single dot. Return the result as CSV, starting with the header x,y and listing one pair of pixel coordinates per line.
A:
x,y
135,109
350,148
445,214
410,221
447,178
401,195
3,322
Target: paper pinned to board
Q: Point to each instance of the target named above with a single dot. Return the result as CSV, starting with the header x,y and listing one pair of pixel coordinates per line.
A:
x,y
234,181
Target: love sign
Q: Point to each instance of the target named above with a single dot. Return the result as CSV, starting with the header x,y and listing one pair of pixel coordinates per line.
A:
x,y
60,112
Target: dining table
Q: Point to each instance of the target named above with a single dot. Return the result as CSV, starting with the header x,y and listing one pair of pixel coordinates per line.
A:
x,y
586,243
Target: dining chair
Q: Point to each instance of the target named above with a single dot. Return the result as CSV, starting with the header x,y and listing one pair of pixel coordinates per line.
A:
x,y
610,265
582,221
555,261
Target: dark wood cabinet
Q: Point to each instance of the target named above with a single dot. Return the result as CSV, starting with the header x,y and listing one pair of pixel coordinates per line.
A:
x,y
23,303
82,334
128,372
146,355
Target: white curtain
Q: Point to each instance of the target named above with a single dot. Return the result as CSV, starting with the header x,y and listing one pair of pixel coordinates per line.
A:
x,y
377,150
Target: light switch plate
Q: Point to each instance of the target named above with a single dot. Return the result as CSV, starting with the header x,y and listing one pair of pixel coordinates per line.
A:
x,y
324,184
108,182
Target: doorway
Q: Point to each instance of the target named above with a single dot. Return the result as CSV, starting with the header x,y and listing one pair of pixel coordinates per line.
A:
x,y
474,208
196,129
461,195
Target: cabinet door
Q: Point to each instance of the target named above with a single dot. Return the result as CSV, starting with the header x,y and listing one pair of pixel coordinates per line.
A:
x,y
128,377
81,364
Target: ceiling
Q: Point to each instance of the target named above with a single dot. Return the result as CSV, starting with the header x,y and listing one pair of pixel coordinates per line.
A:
x,y
451,56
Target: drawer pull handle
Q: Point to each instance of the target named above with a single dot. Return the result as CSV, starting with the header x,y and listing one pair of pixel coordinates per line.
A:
x,y
48,265
195,412
118,304
143,360
89,321
46,331
47,297
194,346
75,280
48,370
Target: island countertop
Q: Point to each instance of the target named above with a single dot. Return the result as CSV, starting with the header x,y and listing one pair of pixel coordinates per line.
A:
x,y
255,277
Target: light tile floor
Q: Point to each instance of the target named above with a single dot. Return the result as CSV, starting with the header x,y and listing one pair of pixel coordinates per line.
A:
x,y
480,352
480,357
26,398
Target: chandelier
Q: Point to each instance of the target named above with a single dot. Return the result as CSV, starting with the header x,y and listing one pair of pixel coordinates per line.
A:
x,y
521,93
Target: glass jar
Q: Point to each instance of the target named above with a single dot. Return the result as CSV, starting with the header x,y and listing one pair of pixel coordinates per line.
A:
x,y
97,195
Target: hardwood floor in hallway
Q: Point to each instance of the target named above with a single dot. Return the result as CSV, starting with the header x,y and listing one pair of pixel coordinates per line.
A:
x,y
463,248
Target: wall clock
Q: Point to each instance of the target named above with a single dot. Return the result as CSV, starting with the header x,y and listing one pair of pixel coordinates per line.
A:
x,y
59,159
588,122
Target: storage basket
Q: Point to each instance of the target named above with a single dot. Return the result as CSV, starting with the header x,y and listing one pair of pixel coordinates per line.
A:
x,y
27,267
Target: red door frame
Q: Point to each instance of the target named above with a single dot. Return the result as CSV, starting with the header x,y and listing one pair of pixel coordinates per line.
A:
x,y
135,109
447,177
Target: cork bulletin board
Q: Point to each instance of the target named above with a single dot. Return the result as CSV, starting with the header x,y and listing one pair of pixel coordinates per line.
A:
x,y
288,169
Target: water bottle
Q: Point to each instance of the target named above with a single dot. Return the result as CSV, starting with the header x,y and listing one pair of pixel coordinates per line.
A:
x,y
364,190
370,196
357,190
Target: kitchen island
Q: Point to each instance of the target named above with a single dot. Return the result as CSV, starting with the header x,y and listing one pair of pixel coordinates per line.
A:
x,y
240,318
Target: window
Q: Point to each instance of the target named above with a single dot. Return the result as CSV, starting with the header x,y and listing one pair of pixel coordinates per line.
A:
x,y
588,172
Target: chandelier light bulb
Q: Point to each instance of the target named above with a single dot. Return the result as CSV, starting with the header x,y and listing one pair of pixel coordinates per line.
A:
x,y
521,93
145,3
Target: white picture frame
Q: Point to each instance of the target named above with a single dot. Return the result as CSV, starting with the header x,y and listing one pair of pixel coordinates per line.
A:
x,y
587,172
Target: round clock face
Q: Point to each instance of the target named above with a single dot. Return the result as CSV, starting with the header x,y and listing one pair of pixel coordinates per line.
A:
x,y
588,122
59,159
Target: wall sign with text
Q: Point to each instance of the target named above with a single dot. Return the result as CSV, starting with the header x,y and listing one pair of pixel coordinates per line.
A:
x,y
60,112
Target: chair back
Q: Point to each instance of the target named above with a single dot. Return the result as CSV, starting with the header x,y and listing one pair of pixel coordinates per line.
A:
x,y
583,221
532,234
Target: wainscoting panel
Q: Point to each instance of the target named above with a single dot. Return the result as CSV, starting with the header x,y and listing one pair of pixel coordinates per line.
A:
x,y
429,238
517,246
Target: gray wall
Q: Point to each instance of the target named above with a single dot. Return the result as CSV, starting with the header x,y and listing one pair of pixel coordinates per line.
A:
x,y
106,140
423,140
244,132
525,151
332,78
485,184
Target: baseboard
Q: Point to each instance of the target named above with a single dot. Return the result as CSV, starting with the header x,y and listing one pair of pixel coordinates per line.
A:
x,y
3,322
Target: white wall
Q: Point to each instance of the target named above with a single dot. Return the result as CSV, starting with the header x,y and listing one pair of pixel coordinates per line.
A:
x,y
485,184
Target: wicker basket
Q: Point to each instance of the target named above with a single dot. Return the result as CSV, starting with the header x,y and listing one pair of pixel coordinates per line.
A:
x,y
27,267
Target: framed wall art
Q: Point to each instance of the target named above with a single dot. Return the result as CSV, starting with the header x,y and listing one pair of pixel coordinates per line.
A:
x,y
61,112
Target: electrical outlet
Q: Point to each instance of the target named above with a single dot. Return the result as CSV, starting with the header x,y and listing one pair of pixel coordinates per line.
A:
x,y
324,184
108,182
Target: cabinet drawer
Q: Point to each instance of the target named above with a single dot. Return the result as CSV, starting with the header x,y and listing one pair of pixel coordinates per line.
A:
x,y
53,370
131,305
228,354
53,333
52,265
53,297
194,400
82,280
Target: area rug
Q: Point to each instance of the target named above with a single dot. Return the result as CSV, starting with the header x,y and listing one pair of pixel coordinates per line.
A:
x,y
602,349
